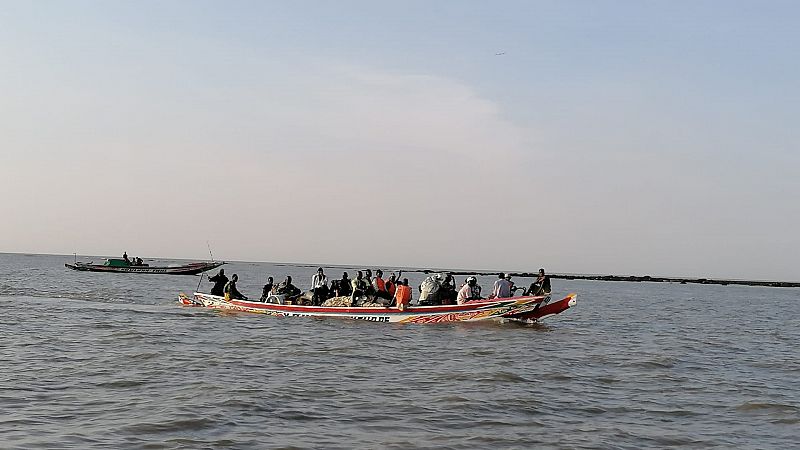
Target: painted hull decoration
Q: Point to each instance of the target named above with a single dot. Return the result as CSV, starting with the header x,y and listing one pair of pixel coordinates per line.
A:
x,y
527,309
543,309
186,269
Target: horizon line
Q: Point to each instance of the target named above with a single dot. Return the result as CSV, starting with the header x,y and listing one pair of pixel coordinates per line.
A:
x,y
434,269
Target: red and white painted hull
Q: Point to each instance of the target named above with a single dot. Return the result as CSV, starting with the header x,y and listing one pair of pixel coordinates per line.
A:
x,y
544,309
524,307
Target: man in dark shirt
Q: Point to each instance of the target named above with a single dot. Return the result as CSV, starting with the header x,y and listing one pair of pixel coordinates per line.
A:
x,y
541,286
286,287
219,280
448,292
231,293
267,289
342,287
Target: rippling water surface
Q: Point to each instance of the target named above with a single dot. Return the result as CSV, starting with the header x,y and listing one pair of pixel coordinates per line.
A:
x,y
94,360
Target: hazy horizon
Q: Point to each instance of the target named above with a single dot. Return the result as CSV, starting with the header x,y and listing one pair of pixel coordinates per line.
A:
x,y
372,265
653,138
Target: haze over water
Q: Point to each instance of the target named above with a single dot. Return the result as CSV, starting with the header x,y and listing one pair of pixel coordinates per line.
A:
x,y
619,137
111,361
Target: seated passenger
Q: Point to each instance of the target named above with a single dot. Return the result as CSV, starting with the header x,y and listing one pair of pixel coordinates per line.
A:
x,y
541,286
360,287
267,289
370,291
447,292
391,284
379,286
502,287
231,293
287,288
429,290
470,291
402,295
514,287
341,288
319,286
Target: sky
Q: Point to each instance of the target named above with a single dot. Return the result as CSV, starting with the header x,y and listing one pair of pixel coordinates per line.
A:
x,y
615,137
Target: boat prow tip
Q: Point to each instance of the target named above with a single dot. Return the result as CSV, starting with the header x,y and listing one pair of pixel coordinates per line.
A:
x,y
573,299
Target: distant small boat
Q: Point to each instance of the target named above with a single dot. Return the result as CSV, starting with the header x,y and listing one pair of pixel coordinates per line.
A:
x,y
527,309
115,265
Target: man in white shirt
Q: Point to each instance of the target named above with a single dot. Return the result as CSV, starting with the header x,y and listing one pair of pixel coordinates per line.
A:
x,y
470,291
319,284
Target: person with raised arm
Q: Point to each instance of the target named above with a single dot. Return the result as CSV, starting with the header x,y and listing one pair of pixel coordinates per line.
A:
x,y
391,284
379,286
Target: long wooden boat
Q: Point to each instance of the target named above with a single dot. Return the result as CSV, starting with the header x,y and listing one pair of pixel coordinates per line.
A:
x,y
182,269
517,308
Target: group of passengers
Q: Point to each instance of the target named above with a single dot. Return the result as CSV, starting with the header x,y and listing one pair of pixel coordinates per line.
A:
x,y
436,289
387,292
439,289
135,261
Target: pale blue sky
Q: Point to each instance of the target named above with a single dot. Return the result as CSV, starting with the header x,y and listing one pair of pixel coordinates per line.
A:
x,y
611,137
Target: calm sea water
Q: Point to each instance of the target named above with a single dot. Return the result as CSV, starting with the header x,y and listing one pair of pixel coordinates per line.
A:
x,y
92,360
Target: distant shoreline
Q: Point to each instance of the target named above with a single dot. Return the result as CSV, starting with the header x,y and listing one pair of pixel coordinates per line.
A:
x,y
635,278
628,278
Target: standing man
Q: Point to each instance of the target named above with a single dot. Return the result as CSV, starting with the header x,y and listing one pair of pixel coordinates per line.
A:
x,y
319,284
219,280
